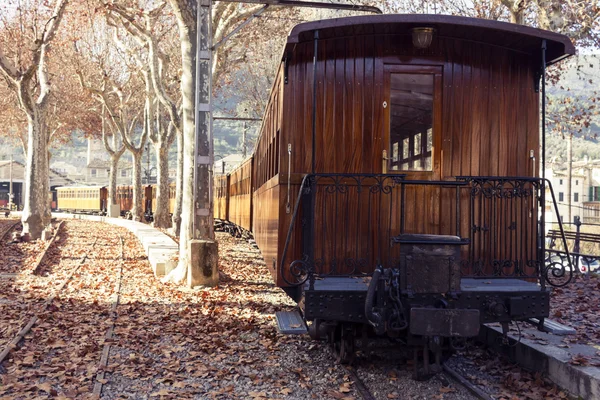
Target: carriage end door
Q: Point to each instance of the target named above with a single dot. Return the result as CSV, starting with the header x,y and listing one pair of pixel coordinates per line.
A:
x,y
412,121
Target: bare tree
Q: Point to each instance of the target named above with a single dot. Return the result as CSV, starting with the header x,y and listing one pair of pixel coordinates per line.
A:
x,y
115,150
27,75
153,62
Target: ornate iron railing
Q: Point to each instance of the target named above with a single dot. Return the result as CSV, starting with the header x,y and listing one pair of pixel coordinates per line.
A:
x,y
349,223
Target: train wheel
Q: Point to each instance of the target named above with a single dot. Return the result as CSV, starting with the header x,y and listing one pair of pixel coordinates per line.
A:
x,y
342,342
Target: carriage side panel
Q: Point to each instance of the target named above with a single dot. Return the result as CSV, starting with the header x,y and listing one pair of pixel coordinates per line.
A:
x,y
240,196
267,207
221,183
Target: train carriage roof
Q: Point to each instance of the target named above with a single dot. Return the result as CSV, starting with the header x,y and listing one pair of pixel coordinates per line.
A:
x,y
79,187
513,36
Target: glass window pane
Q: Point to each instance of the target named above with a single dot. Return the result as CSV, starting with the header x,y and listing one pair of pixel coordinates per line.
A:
x,y
411,120
417,144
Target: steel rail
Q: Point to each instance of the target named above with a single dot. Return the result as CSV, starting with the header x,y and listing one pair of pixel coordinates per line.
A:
x,y
10,227
466,383
42,257
97,391
360,386
21,334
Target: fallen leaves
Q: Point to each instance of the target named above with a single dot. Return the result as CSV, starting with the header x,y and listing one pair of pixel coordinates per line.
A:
x,y
574,305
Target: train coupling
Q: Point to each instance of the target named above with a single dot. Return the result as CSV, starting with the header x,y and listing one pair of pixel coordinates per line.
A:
x,y
389,315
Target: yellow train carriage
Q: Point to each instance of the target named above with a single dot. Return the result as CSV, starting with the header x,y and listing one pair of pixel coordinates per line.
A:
x,y
90,199
172,198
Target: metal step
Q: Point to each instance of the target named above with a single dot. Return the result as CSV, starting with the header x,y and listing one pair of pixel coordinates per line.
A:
x,y
554,327
290,323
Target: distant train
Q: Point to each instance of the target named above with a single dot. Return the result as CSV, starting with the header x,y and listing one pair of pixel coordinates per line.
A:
x,y
94,199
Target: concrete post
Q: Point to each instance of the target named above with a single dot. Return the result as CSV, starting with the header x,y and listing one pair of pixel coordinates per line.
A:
x,y
569,174
205,262
203,248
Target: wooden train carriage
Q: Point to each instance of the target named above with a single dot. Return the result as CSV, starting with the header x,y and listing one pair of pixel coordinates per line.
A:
x,y
172,191
172,197
147,199
382,102
125,198
91,199
240,195
221,197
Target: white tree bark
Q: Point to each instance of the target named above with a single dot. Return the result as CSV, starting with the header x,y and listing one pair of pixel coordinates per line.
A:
x,y
161,215
176,228
137,209
27,80
186,11
115,152
36,211
160,135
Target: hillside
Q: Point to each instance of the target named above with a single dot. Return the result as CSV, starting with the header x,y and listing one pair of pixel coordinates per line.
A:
x,y
578,84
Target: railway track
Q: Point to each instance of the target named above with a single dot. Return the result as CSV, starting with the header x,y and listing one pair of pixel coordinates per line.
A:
x,y
6,228
386,373
23,331
69,332
97,392
366,394
476,391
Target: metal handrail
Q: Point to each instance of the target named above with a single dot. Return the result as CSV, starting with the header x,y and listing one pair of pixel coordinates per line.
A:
x,y
303,269
289,234
305,179
564,239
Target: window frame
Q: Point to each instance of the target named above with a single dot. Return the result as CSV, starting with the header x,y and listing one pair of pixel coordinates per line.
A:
x,y
437,72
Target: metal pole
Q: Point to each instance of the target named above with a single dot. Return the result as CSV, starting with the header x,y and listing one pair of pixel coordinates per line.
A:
x,y
569,174
314,111
544,109
10,185
244,148
147,164
203,143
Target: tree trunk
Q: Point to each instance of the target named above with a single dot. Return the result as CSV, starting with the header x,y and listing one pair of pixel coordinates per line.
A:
x,y
112,178
36,213
187,37
178,188
137,210
161,215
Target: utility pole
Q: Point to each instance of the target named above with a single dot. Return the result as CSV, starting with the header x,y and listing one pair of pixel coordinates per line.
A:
x,y
244,147
10,185
569,172
147,164
203,248
203,221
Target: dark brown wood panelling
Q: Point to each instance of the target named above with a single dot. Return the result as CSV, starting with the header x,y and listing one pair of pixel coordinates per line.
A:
x,y
240,195
221,197
488,120
267,169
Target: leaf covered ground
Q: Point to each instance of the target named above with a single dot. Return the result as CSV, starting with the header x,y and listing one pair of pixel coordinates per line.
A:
x,y
168,341
577,306
172,342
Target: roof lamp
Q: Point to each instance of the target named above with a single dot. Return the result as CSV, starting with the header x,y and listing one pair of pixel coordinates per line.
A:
x,y
421,37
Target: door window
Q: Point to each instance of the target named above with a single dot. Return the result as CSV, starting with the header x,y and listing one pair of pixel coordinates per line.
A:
x,y
411,121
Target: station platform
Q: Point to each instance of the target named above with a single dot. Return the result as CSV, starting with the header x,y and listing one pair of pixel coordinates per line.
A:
x,y
550,355
162,251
